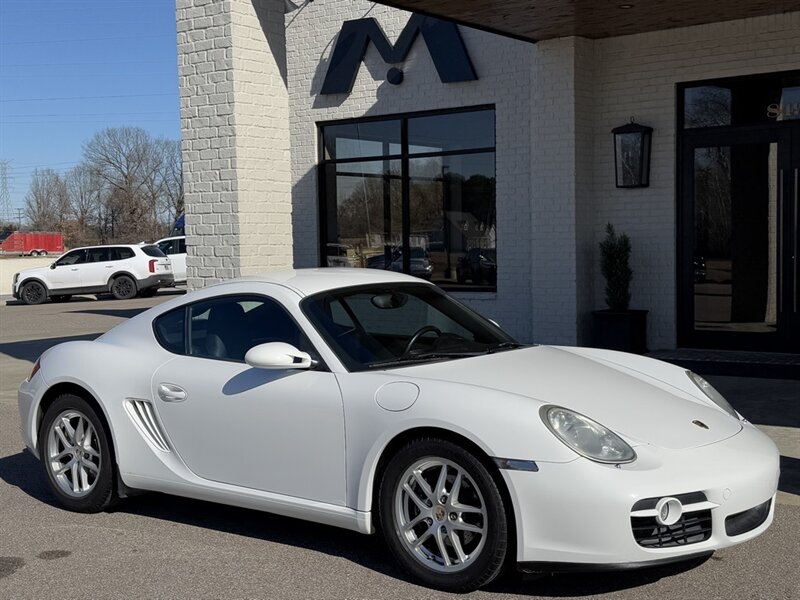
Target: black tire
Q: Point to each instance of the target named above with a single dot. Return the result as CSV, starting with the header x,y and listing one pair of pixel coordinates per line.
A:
x,y
102,494
43,253
33,292
34,253
61,298
491,556
149,292
123,287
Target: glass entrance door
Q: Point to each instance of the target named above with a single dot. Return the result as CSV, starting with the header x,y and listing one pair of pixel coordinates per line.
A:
x,y
739,239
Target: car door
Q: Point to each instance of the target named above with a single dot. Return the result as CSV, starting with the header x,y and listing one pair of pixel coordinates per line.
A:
x,y
98,267
279,431
66,273
175,249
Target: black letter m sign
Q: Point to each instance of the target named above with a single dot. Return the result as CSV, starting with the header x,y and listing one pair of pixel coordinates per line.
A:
x,y
443,39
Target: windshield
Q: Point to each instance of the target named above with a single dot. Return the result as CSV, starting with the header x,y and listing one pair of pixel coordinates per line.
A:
x,y
374,327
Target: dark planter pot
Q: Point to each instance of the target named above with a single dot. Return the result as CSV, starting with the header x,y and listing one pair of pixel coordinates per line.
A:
x,y
624,330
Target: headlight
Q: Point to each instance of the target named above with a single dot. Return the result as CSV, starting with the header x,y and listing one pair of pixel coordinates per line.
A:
x,y
712,394
586,437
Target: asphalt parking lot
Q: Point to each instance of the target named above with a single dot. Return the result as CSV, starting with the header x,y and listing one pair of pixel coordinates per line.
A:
x,y
155,546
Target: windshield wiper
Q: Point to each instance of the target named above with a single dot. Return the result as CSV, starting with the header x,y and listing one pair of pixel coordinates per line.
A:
x,y
412,358
503,346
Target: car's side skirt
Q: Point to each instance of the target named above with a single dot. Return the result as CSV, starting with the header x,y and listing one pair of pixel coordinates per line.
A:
x,y
288,506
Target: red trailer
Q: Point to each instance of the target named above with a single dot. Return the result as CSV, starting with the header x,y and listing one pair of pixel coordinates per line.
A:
x,y
34,243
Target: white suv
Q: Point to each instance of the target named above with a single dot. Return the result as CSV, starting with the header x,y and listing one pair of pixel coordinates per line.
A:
x,y
123,271
175,248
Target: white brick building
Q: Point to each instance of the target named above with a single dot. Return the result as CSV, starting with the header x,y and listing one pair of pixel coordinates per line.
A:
x,y
710,272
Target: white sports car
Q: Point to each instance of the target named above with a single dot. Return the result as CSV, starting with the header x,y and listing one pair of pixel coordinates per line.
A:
x,y
373,401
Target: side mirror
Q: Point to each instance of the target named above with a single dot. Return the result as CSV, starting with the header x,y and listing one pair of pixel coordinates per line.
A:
x,y
52,265
277,355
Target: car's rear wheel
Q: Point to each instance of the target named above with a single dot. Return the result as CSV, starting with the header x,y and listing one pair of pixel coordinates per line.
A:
x,y
61,298
442,516
123,287
76,456
33,292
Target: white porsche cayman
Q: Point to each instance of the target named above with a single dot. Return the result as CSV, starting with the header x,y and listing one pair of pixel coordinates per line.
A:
x,y
374,401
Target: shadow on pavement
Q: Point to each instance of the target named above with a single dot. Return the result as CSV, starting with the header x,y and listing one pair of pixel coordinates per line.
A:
x,y
122,313
23,471
30,350
790,475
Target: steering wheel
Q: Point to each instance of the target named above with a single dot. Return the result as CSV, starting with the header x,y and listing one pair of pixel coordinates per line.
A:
x,y
418,334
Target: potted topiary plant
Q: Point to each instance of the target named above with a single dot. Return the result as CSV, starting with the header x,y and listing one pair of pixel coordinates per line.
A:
x,y
618,327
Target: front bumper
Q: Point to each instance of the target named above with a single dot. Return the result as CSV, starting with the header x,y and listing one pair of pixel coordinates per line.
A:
x,y
579,513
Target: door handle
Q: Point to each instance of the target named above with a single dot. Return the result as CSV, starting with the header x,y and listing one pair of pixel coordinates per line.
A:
x,y
75,269
109,266
169,392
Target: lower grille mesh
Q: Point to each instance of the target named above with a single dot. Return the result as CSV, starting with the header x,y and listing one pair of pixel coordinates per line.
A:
x,y
692,528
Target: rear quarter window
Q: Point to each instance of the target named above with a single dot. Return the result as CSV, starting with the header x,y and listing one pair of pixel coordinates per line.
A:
x,y
170,330
153,251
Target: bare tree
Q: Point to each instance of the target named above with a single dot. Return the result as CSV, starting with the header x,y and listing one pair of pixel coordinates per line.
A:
x,y
85,190
47,202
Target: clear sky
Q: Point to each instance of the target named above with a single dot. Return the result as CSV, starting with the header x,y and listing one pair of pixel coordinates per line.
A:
x,y
69,68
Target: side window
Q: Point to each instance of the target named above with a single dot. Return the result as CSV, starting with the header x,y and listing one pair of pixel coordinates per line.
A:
x,y
182,246
76,257
166,247
170,328
226,328
125,253
97,255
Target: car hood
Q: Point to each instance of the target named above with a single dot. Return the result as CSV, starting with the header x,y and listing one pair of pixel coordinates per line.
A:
x,y
639,407
33,271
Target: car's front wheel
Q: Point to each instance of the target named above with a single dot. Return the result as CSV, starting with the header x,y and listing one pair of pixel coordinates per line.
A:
x,y
442,516
33,292
123,288
75,452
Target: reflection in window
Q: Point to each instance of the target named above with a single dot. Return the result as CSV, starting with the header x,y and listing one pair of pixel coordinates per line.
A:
x,y
446,184
735,237
707,106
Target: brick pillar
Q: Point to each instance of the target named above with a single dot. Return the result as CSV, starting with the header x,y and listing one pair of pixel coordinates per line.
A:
x,y
235,130
561,184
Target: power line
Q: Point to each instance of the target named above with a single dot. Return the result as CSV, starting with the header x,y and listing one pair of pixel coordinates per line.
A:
x,y
71,64
87,97
100,39
103,114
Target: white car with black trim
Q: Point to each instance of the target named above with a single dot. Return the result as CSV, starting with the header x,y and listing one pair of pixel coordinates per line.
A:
x,y
372,400
121,270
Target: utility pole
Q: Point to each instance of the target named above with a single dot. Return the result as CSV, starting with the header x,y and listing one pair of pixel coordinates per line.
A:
x,y
19,219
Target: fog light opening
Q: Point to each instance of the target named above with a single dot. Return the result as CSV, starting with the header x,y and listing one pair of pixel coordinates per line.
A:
x,y
668,511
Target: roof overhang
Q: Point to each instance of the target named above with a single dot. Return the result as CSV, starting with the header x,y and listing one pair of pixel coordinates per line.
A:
x,y
534,20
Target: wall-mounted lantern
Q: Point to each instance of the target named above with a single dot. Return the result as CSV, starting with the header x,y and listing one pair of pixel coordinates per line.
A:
x,y
632,154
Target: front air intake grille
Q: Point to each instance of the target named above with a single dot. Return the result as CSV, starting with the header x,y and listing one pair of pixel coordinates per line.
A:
x,y
142,414
692,528
747,520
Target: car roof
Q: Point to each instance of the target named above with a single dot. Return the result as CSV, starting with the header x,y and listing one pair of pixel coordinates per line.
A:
x,y
307,282
109,246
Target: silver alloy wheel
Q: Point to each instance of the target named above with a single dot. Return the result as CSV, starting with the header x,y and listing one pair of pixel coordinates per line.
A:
x,y
73,453
440,515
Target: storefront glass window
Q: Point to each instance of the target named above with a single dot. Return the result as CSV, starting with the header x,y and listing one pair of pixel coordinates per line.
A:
x,y
415,195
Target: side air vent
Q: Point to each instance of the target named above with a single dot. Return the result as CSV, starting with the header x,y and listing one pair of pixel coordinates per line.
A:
x,y
142,414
